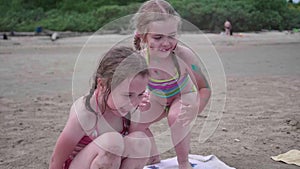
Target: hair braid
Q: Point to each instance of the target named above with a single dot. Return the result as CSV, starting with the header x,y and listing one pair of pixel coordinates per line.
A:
x,y
137,42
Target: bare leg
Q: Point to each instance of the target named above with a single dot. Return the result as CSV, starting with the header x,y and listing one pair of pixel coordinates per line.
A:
x,y
181,140
154,154
180,136
106,160
182,151
103,153
137,151
142,121
144,127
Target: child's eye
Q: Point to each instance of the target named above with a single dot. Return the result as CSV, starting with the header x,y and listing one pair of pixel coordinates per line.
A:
x,y
157,37
128,95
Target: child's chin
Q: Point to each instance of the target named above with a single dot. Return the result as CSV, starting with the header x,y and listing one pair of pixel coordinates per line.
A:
x,y
163,54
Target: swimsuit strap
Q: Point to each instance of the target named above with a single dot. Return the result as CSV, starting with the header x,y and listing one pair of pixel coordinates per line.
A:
x,y
176,62
177,68
126,124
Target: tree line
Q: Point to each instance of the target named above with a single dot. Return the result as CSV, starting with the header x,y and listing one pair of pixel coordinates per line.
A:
x,y
90,15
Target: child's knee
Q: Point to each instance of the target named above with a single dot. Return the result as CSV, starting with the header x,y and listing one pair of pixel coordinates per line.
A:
x,y
137,145
111,142
173,114
106,160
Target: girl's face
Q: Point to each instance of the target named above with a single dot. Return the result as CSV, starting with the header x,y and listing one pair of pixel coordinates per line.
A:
x,y
161,37
127,95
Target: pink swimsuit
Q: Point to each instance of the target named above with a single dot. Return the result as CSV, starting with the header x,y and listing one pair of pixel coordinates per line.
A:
x,y
88,139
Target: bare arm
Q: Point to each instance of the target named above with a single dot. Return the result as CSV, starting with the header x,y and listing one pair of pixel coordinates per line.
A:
x,y
193,67
70,136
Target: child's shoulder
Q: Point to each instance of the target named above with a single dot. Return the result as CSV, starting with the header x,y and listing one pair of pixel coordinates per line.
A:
x,y
184,53
85,118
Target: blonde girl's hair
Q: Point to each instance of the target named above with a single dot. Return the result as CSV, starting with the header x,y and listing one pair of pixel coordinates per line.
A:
x,y
150,11
116,65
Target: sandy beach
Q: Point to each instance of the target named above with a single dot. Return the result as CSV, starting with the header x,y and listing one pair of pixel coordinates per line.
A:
x,y
261,117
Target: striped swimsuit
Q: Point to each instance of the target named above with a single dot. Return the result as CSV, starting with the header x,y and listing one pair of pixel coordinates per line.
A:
x,y
170,87
167,88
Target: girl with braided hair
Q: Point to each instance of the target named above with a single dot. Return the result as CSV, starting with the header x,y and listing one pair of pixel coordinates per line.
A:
x,y
178,89
97,132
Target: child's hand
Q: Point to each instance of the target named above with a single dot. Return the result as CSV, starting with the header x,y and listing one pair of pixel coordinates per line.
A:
x,y
189,111
145,104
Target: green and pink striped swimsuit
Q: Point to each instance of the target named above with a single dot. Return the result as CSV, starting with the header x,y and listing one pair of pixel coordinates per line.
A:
x,y
167,88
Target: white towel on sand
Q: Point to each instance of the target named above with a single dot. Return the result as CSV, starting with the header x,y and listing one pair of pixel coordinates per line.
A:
x,y
290,157
197,162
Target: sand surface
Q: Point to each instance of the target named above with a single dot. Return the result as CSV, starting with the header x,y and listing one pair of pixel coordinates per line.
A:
x,y
262,109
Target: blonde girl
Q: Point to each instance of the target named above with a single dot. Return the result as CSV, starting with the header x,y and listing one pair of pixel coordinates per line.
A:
x,y
97,132
178,89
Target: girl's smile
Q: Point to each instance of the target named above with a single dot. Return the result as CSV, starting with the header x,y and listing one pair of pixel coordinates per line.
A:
x,y
161,37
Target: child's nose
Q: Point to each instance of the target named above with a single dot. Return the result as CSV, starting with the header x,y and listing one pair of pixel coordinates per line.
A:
x,y
166,42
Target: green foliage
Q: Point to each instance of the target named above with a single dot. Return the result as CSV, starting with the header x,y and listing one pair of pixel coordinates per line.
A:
x,y
90,15
60,21
245,15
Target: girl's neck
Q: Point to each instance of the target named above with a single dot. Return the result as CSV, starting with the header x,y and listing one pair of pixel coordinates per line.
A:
x,y
97,106
157,59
